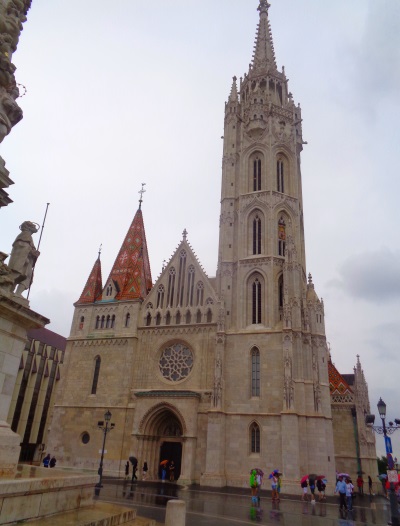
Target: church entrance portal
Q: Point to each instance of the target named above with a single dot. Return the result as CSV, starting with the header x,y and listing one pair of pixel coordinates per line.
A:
x,y
172,451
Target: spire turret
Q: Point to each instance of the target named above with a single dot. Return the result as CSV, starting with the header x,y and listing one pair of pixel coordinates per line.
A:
x,y
131,271
264,54
233,97
93,288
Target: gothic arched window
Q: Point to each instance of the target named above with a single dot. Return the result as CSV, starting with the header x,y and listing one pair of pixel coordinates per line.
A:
x,y
280,177
97,363
158,319
168,318
108,321
160,297
188,317
178,318
256,308
81,322
209,316
128,320
97,322
148,319
257,235
190,286
103,319
113,321
171,287
281,236
199,294
255,438
280,291
256,173
255,372
198,316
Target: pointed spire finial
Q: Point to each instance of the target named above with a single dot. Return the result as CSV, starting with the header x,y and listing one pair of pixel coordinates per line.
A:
x,y
309,278
100,247
264,6
141,192
184,234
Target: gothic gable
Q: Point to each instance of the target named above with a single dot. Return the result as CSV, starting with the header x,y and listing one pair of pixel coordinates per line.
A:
x,y
339,388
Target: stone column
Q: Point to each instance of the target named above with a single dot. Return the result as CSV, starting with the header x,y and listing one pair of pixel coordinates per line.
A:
x,y
215,465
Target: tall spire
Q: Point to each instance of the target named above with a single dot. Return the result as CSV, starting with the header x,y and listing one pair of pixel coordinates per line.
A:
x,y
233,96
131,271
264,54
93,288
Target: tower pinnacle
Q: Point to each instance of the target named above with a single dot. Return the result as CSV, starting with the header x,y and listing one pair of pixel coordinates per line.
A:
x,y
264,54
141,192
264,6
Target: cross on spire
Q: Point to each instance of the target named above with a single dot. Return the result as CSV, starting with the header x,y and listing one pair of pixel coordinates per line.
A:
x,y
100,247
141,192
264,6
184,234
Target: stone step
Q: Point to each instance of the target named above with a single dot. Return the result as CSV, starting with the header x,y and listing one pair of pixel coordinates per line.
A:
x,y
100,514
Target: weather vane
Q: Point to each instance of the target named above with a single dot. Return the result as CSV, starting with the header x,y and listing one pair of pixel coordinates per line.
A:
x,y
141,192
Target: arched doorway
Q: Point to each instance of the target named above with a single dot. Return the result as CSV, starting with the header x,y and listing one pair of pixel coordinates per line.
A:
x,y
162,439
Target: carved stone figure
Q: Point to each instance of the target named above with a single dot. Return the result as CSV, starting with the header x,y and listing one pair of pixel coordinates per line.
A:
x,y
6,280
10,113
24,255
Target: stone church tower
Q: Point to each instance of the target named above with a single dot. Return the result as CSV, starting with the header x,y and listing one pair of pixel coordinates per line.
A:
x,y
220,374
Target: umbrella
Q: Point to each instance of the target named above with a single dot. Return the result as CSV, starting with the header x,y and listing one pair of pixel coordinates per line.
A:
x,y
343,475
133,460
382,476
259,471
164,462
303,479
321,477
312,476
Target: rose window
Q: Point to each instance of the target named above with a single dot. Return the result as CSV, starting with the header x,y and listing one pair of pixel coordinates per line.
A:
x,y
176,362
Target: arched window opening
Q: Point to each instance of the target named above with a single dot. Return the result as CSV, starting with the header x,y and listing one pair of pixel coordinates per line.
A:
x,y
158,319
280,179
255,372
171,287
160,297
209,316
256,301
178,318
190,286
198,317
181,278
199,294
168,318
280,292
256,173
108,322
188,317
109,290
81,322
148,319
128,319
257,235
255,438
103,319
281,237
97,322
96,374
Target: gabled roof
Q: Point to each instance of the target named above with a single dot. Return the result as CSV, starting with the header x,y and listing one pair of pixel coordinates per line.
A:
x,y
93,288
131,271
337,384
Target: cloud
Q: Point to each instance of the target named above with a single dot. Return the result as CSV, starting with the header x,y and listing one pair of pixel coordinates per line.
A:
x,y
373,276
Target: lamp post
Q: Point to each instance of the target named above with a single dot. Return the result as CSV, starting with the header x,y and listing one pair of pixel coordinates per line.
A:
x,y
106,429
385,431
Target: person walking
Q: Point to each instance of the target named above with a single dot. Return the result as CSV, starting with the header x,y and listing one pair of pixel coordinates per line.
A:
x,y
321,486
127,470
349,494
341,489
52,462
360,484
253,487
46,461
274,487
304,486
144,471
311,482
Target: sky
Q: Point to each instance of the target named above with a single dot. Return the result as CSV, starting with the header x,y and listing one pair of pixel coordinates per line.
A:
x,y
131,92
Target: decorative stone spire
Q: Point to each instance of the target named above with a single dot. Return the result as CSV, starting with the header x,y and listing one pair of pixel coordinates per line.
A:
x,y
93,288
233,97
184,234
131,271
264,54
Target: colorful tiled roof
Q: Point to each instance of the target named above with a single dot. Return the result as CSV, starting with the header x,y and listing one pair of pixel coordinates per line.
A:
x,y
131,271
337,384
94,287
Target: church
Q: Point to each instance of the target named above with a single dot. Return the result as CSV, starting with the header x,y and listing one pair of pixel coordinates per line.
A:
x,y
220,374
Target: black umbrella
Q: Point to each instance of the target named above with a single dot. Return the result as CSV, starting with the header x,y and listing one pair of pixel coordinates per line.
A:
x,y
133,461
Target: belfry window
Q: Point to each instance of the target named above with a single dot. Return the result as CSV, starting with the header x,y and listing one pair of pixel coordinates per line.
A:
x,y
281,237
280,179
96,374
257,235
255,436
256,301
255,372
256,174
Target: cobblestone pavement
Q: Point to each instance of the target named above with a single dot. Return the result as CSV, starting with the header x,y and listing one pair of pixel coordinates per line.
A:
x,y
232,506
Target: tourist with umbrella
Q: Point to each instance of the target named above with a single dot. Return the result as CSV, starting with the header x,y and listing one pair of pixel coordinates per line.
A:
x,y
312,477
163,465
321,486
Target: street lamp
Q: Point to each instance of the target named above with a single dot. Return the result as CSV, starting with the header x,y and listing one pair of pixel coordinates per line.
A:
x,y
392,473
105,428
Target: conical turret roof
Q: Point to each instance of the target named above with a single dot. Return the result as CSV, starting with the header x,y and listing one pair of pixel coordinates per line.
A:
x,y
131,271
93,288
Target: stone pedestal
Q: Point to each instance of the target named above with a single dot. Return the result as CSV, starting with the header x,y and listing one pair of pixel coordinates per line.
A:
x,y
176,513
215,461
16,318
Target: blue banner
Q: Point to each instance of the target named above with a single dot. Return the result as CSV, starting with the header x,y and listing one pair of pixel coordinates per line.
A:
x,y
388,444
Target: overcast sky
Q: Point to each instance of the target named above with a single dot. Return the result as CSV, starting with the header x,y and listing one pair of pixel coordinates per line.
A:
x,y
131,91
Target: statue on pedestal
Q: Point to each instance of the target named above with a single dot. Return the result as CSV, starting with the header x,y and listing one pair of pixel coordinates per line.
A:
x,y
23,257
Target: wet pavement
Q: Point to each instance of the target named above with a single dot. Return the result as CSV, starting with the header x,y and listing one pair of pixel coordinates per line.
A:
x,y
230,506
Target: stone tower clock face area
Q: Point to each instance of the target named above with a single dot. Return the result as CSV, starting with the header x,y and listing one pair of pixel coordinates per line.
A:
x,y
176,362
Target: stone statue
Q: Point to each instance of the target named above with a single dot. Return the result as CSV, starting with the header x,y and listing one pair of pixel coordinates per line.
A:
x,y
10,113
6,280
23,256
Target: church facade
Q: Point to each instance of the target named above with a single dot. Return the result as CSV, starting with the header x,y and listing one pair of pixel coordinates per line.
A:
x,y
218,374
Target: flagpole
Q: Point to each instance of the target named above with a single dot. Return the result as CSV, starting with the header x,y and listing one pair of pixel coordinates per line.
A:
x,y
40,239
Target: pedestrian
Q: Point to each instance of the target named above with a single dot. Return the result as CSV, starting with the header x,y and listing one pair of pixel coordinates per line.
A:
x,y
134,469
341,489
304,486
370,485
127,470
360,484
349,494
279,485
46,461
172,471
253,487
311,483
144,471
163,472
274,487
321,486
259,483
52,462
